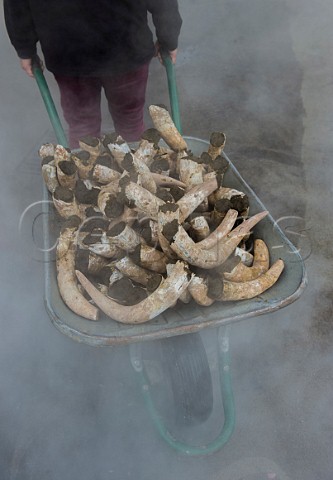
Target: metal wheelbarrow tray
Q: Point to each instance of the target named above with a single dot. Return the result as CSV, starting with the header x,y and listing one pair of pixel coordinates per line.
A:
x,y
183,318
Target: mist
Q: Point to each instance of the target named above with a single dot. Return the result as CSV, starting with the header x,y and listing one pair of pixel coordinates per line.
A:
x,y
261,72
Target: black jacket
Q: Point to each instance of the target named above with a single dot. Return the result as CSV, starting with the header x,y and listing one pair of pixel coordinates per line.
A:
x,y
91,37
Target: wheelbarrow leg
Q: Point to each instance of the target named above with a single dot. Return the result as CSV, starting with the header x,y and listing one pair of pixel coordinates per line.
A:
x,y
226,390
186,369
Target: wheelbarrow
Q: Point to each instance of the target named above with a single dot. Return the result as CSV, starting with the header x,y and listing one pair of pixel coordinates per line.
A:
x,y
184,371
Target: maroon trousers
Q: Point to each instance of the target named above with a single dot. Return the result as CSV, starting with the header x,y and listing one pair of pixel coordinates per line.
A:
x,y
81,103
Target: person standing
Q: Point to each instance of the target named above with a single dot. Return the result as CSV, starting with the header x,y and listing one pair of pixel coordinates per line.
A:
x,y
95,45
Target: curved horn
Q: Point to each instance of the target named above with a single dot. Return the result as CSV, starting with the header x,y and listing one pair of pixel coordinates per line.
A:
x,y
200,228
84,162
165,181
49,173
164,124
192,199
136,273
161,299
190,172
221,231
68,288
46,150
189,251
252,288
124,236
198,289
242,273
119,148
131,162
145,151
150,258
61,153
141,198
104,174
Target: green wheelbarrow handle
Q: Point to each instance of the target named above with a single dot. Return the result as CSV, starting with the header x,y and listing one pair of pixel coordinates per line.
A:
x,y
49,104
173,93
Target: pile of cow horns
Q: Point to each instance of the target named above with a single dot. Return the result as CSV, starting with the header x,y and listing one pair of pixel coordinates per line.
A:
x,y
154,223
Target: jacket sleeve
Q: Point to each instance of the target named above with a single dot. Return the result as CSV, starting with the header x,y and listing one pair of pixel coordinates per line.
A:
x,y
20,27
167,22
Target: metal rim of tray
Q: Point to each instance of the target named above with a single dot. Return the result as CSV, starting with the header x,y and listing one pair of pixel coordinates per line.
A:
x,y
152,331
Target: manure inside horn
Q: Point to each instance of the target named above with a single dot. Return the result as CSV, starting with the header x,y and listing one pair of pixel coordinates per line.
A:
x,y
152,135
128,162
222,205
72,222
126,293
164,195
170,229
104,161
219,179
113,208
154,282
146,234
93,237
137,295
239,202
159,164
134,176
47,159
109,138
89,140
82,260
215,287
124,181
176,192
217,139
135,255
169,207
92,223
83,156
91,212
103,275
230,263
205,158
64,194
116,229
220,164
68,167
84,195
